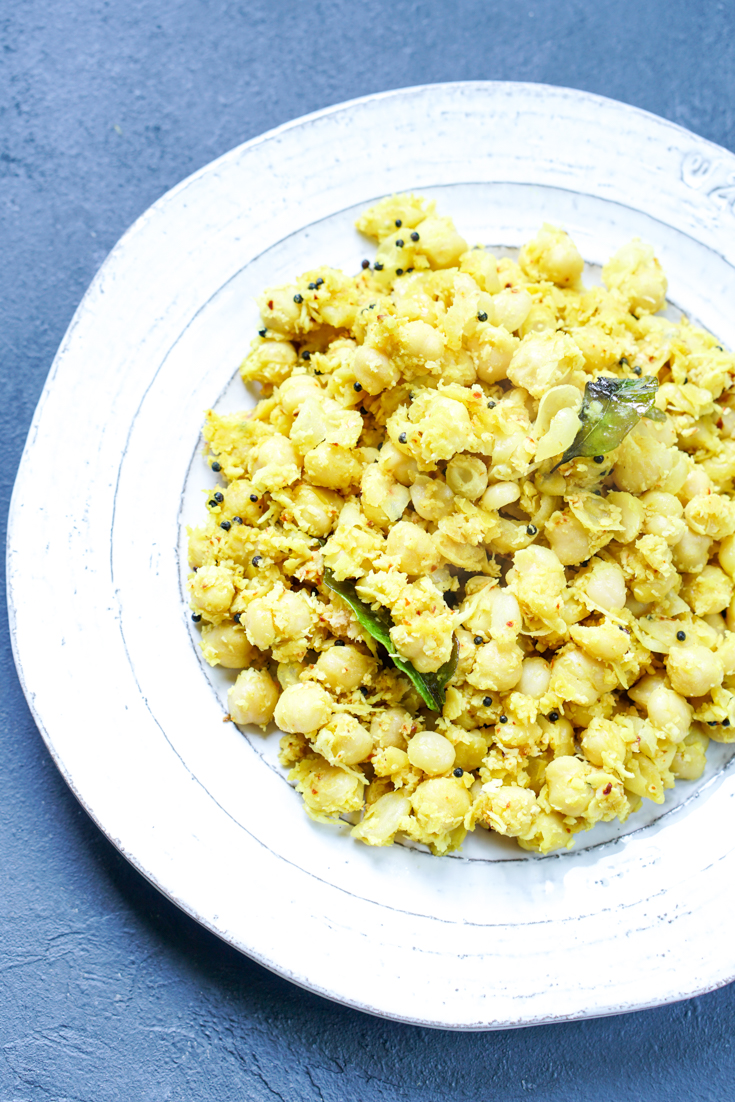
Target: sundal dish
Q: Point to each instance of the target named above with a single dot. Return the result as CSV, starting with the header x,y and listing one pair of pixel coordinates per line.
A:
x,y
475,547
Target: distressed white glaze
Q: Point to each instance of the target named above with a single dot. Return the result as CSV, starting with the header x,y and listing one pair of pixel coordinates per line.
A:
x,y
491,938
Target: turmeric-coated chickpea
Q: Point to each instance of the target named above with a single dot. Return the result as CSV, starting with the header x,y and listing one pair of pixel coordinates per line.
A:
x,y
431,752
373,370
412,548
303,708
343,668
253,698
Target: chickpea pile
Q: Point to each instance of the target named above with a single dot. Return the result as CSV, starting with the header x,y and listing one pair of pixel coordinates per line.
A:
x,y
408,440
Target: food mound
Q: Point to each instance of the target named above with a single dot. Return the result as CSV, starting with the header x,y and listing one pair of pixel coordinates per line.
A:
x,y
474,548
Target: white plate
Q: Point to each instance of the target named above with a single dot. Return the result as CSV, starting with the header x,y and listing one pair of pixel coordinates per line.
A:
x,y
103,642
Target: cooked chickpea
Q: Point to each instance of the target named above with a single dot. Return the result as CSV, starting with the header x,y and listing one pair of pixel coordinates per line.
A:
x,y
373,370
691,553
383,818
569,791
212,591
726,555
412,548
279,310
603,746
642,691
226,645
512,307
568,538
633,514
401,467
500,494
690,757
259,625
422,341
441,804
343,668
496,669
253,698
431,753
330,790
332,466
431,497
294,391
303,708
605,587
276,451
315,510
670,711
344,741
392,727
440,243
535,677
693,669
467,476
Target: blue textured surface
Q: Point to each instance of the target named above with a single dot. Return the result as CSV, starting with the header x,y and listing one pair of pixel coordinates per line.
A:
x,y
107,992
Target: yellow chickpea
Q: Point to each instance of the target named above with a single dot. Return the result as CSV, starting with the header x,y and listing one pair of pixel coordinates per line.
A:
x,y
440,804
466,475
431,497
253,698
726,555
303,708
373,370
431,753
294,391
226,645
332,466
691,553
671,712
499,495
392,727
212,591
412,548
343,668
344,741
569,791
535,677
693,669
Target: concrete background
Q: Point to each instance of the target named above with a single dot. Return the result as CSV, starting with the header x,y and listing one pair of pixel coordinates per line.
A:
x,y
107,992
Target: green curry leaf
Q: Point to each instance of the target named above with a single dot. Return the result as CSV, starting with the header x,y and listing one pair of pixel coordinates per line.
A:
x,y
610,409
431,686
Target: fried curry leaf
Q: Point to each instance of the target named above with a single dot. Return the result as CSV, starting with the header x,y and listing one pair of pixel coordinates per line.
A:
x,y
610,409
430,685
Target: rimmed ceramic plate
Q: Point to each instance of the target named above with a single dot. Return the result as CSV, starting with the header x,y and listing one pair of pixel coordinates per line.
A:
x,y
105,649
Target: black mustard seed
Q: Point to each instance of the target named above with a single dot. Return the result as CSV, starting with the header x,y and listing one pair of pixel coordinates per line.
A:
x,y
681,636
216,467
225,525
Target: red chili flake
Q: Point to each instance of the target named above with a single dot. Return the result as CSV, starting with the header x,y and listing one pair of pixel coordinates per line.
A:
x,y
509,623
607,789
270,304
